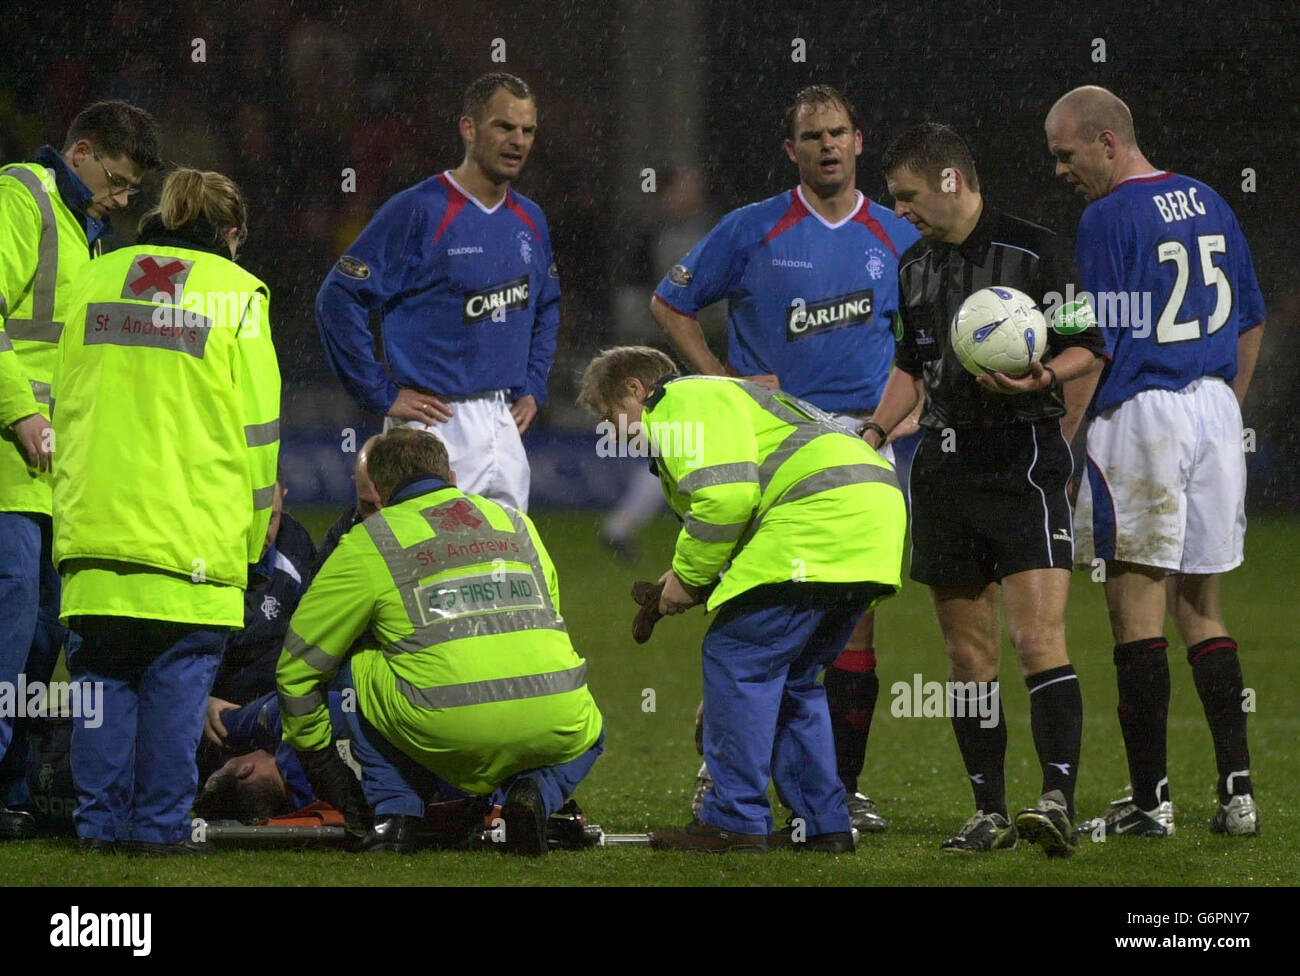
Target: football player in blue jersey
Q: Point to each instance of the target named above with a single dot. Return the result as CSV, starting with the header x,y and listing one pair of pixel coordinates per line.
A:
x,y
811,280
1163,503
460,269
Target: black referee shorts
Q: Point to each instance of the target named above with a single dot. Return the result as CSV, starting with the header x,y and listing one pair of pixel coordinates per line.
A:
x,y
987,503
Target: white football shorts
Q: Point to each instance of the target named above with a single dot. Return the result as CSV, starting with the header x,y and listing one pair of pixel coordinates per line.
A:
x,y
484,447
1166,482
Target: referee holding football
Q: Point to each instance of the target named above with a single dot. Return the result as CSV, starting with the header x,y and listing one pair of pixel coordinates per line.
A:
x,y
998,444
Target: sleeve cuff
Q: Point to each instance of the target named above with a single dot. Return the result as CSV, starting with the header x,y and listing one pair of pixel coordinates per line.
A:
x,y
679,311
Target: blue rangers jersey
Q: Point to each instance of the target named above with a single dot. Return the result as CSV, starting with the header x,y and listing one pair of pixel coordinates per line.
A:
x,y
808,301
469,298
1172,282
257,726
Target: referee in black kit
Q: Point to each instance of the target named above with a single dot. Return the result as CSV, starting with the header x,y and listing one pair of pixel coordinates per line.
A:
x,y
988,484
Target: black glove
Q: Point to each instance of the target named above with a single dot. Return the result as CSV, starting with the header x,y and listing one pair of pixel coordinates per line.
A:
x,y
332,781
646,595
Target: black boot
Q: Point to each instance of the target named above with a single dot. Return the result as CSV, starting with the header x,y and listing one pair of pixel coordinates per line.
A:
x,y
16,824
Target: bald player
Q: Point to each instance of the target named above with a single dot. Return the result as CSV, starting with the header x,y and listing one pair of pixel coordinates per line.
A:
x,y
1163,503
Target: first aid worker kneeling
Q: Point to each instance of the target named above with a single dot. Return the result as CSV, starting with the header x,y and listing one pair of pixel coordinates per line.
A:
x,y
166,445
467,683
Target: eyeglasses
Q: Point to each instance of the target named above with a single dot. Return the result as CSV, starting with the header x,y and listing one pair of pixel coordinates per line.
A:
x,y
117,184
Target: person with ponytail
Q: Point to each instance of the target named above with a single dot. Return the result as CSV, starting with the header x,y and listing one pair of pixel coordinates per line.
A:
x,y
166,424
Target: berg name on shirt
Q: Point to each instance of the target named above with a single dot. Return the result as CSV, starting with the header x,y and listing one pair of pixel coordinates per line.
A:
x,y
1177,205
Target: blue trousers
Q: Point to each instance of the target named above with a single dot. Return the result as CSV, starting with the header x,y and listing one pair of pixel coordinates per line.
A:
x,y
765,715
30,634
133,763
394,783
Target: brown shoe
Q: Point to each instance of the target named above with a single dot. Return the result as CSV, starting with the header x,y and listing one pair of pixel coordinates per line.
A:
x,y
704,838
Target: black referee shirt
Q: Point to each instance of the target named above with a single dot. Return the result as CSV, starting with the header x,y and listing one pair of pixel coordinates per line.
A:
x,y
934,278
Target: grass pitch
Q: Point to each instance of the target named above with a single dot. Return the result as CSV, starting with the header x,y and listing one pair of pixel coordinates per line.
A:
x,y
913,769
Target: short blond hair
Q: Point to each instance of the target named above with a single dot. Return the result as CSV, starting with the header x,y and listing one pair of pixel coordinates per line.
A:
x,y
605,380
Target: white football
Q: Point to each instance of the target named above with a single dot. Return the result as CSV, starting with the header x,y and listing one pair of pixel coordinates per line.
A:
x,y
999,329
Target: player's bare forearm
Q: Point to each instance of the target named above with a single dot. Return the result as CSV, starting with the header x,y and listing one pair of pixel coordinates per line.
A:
x,y
1248,344
912,422
902,393
1077,391
687,338
1073,363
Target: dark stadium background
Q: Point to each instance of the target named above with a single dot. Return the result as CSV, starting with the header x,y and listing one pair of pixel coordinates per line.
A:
x,y
292,93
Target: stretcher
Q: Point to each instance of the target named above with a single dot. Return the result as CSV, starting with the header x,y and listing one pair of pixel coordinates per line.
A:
x,y
320,825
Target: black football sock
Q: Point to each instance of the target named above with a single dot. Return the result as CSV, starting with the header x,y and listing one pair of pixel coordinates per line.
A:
x,y
1216,669
1056,717
982,741
851,691
1142,673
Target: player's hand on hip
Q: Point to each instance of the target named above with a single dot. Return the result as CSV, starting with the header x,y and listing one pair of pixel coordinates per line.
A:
x,y
36,438
764,379
1036,379
675,598
424,407
524,410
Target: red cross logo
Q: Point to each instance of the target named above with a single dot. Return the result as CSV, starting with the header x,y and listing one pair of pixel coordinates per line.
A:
x,y
155,277
458,516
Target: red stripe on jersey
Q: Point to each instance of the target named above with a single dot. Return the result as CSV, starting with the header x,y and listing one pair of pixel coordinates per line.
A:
x,y
455,203
518,211
863,216
796,213
1146,179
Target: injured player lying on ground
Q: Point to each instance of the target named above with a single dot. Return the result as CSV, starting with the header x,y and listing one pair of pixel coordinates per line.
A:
x,y
260,795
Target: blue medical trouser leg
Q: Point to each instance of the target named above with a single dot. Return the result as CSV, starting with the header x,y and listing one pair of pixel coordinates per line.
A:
x,y
803,730
173,699
46,642
102,752
760,693
20,591
556,783
138,726
392,781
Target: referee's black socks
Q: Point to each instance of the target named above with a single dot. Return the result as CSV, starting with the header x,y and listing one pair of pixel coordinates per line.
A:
x,y
851,692
982,739
1056,717
1142,673
1216,670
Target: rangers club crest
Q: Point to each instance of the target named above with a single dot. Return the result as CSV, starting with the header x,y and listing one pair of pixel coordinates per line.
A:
x,y
270,607
875,263
525,247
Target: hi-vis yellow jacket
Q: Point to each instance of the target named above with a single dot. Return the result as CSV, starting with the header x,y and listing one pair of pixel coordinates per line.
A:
x,y
770,490
166,420
467,667
42,249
